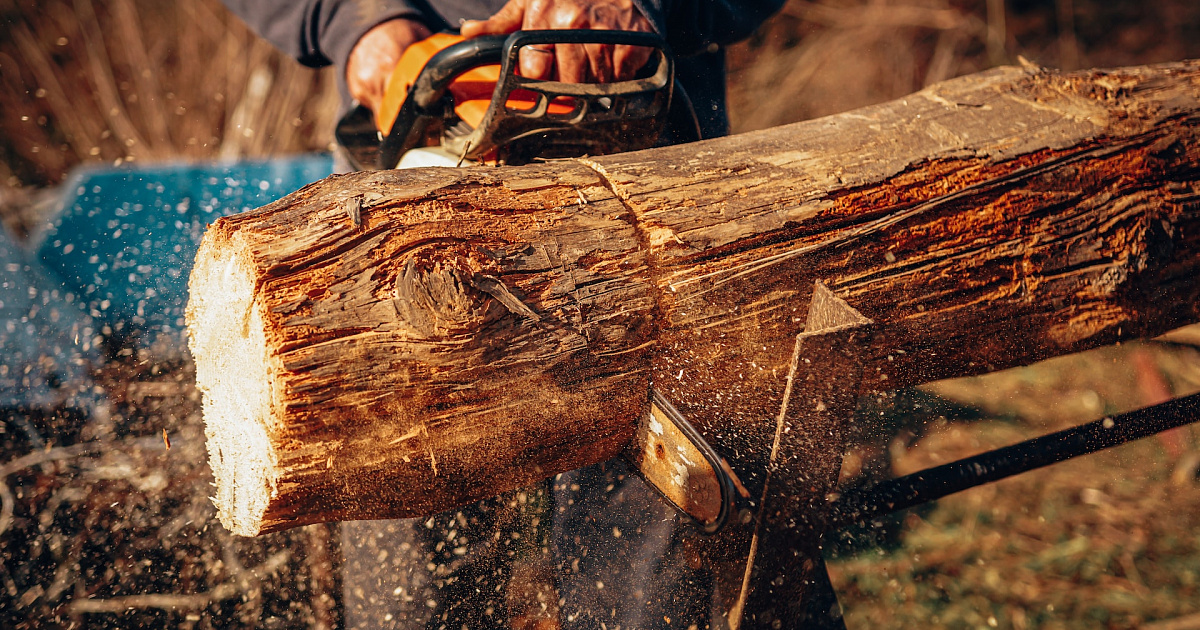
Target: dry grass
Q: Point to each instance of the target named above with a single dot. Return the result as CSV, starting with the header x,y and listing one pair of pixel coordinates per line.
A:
x,y
819,58
114,81
107,526
1105,541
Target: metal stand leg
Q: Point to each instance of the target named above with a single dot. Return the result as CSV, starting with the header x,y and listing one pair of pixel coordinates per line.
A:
x,y
785,572
822,610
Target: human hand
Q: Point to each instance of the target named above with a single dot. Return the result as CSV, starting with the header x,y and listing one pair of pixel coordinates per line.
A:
x,y
375,56
572,63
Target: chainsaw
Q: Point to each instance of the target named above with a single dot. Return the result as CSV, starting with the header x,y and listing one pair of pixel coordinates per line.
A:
x,y
452,101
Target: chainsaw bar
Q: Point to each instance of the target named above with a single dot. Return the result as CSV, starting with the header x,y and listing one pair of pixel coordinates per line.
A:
x,y
675,460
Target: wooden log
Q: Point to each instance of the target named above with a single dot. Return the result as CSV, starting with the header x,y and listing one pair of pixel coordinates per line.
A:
x,y
395,343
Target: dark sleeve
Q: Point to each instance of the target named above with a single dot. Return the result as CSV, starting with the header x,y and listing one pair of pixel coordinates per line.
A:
x,y
320,32
692,26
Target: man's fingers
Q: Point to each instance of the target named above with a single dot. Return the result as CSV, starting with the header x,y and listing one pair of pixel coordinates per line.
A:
x,y
506,20
537,62
600,62
572,63
627,60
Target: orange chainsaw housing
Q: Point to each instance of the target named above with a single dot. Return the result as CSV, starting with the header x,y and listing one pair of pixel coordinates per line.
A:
x,y
471,91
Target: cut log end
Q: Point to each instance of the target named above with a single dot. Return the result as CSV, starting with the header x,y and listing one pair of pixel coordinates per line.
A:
x,y
232,372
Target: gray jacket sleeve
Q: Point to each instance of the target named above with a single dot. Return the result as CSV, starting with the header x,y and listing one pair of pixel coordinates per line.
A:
x,y
320,32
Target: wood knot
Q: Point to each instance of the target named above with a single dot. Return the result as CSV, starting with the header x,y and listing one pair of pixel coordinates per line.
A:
x,y
437,298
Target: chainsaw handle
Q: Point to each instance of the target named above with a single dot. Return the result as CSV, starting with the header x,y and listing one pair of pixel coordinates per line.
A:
x,y
520,39
450,63
425,98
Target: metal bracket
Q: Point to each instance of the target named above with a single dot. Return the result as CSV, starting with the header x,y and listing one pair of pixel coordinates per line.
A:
x,y
787,586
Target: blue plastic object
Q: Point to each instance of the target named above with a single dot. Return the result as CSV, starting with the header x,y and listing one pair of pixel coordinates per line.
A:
x,y
127,236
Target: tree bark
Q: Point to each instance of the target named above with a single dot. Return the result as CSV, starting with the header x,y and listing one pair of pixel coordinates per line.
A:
x,y
387,344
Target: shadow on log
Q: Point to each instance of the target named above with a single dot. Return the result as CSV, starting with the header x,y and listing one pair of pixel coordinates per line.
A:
x,y
389,344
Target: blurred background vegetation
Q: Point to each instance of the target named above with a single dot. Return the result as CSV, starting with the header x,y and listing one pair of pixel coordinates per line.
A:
x,y
1107,541
112,81
819,58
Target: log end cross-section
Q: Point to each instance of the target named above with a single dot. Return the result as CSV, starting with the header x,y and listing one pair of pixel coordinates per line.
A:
x,y
237,383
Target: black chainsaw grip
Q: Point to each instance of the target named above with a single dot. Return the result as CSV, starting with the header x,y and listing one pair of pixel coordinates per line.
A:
x,y
449,63
425,100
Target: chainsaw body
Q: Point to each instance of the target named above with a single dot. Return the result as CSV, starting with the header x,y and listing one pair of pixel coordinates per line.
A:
x,y
460,100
